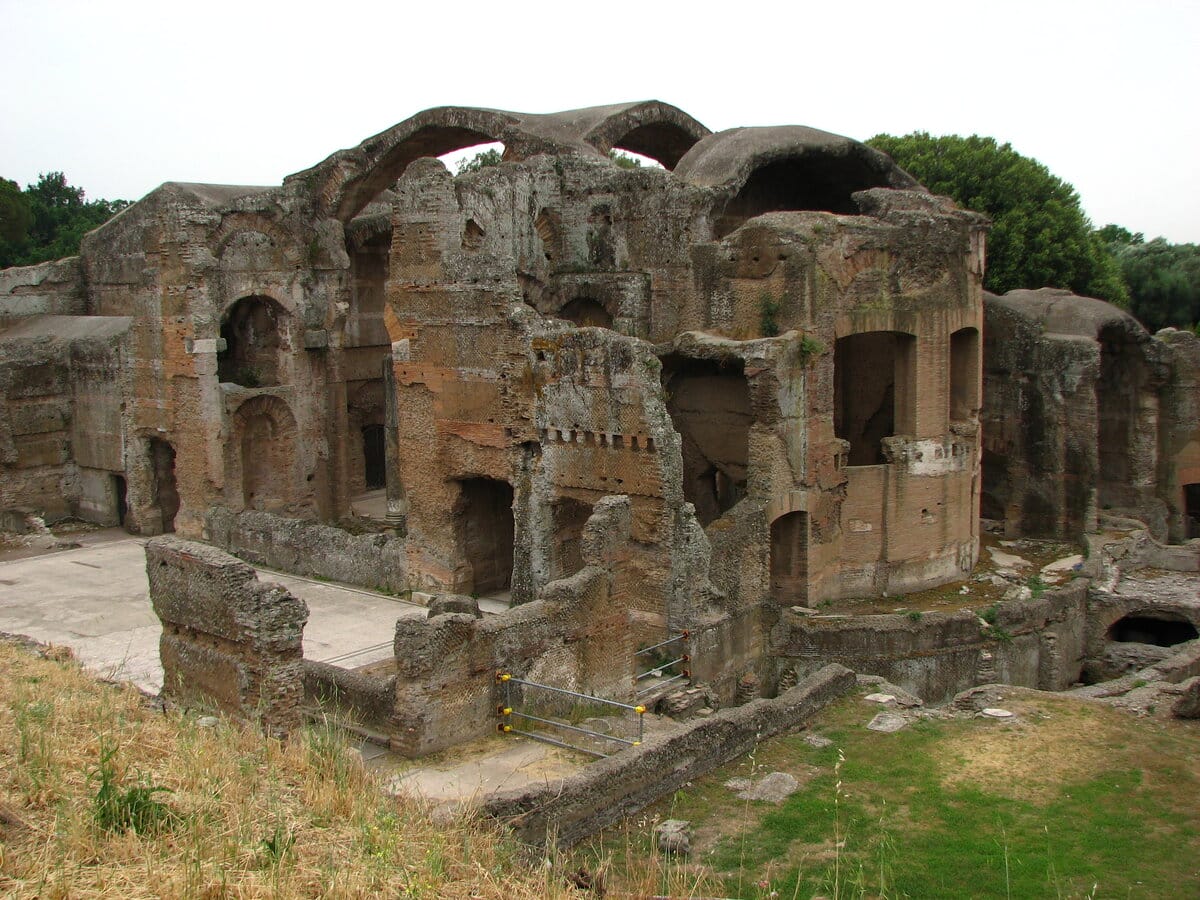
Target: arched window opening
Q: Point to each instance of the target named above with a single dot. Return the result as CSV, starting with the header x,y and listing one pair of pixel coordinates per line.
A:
x,y
254,335
1191,508
485,531
813,181
964,374
166,492
709,404
570,516
1166,631
789,559
586,313
873,391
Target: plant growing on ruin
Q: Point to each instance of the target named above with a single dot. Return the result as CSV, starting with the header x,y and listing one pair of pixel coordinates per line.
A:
x,y
768,308
998,634
810,347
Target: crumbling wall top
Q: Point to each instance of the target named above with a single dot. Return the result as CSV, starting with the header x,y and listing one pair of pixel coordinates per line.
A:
x,y
1059,312
346,181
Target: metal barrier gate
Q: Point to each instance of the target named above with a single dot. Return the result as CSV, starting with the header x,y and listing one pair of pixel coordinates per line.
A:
x,y
508,713
660,670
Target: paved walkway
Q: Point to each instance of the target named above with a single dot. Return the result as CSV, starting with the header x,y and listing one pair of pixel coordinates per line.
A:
x,y
95,600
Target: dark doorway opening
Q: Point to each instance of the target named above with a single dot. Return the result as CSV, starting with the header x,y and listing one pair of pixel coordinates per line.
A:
x,y
1191,507
166,492
994,491
789,559
486,532
374,457
872,391
709,404
121,495
570,516
1161,632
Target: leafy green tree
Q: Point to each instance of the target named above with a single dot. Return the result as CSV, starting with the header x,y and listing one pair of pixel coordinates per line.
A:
x,y
624,160
1040,236
480,160
1163,278
15,220
48,219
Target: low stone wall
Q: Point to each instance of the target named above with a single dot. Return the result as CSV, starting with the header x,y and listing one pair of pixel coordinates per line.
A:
x,y
354,698
1132,548
1033,643
302,547
228,641
568,811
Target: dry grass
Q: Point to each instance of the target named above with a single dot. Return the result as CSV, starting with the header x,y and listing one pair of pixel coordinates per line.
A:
x,y
248,817
1023,758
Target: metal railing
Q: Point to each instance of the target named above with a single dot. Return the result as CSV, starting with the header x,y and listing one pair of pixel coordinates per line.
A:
x,y
660,669
509,712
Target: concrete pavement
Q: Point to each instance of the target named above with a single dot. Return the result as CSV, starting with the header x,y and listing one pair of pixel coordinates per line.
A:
x,y
95,600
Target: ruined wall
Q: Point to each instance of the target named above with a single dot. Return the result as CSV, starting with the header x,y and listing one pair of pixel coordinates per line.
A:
x,y
492,397
372,560
1179,411
46,289
576,807
577,635
228,641
1085,414
62,381
906,518
1034,643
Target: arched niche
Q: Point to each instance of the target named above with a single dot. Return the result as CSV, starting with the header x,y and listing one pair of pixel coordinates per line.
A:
x,y
255,331
263,453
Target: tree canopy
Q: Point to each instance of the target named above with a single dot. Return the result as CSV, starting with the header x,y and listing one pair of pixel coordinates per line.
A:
x,y
48,219
1040,236
1163,278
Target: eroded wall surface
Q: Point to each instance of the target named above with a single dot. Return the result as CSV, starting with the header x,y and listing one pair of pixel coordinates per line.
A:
x,y
229,642
1086,414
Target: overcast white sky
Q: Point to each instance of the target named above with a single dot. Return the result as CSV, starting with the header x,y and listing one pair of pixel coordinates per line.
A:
x,y
124,95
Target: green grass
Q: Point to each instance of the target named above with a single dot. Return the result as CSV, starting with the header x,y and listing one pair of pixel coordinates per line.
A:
x,y
908,827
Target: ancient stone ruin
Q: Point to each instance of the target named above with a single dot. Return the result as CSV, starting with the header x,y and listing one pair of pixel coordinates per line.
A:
x,y
688,401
